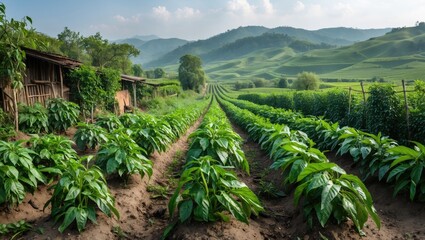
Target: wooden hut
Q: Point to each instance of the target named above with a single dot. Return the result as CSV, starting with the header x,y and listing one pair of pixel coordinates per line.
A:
x,y
44,78
124,97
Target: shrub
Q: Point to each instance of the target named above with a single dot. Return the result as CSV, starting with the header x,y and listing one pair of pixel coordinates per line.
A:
x,y
33,119
77,194
306,81
109,122
62,114
89,136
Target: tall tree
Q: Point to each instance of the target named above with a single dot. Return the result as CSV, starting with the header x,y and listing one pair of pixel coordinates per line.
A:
x,y
159,72
13,35
137,70
113,55
191,74
72,44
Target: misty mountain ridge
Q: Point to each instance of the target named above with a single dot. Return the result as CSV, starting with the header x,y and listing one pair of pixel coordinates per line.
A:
x,y
332,36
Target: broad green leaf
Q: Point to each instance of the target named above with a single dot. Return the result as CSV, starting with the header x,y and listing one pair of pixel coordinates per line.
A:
x,y
185,210
313,168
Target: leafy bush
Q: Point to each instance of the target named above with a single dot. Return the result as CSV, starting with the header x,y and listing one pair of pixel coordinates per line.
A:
x,y
109,122
328,192
18,174
123,156
53,153
306,81
209,190
383,111
62,114
6,127
406,170
89,136
77,194
152,134
33,119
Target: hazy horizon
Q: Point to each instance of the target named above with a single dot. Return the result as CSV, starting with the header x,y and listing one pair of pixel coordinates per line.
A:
x,y
193,20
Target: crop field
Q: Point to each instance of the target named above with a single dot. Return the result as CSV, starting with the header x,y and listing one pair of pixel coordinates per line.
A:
x,y
215,168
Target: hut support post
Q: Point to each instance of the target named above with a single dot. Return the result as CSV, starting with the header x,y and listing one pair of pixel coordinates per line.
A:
x,y
61,80
134,95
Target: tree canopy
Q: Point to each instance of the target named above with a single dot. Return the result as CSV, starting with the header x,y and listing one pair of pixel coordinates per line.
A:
x,y
191,74
306,81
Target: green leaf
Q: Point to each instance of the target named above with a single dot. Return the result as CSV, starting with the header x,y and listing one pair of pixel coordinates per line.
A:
x,y
81,218
185,210
328,194
69,218
73,193
313,168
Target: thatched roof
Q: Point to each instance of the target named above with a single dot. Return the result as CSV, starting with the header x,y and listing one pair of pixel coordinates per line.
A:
x,y
53,58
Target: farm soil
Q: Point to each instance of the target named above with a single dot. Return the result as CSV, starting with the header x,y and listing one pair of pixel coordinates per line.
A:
x,y
146,218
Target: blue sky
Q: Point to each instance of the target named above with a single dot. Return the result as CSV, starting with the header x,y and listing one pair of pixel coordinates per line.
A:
x,y
200,19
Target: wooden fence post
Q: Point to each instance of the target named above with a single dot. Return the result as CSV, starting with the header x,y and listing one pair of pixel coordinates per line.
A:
x,y
349,100
406,105
363,92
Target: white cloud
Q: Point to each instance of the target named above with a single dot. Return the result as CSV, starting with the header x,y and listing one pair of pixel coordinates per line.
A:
x,y
161,12
342,9
240,6
187,12
299,6
132,19
268,7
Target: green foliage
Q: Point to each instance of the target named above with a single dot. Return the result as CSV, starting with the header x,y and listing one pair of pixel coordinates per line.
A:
x,y
111,55
151,134
33,119
86,86
18,175
306,81
89,136
191,75
216,138
62,114
209,190
110,80
6,127
121,155
328,192
77,195
53,154
159,72
71,44
137,70
16,228
383,110
406,170
109,122
283,83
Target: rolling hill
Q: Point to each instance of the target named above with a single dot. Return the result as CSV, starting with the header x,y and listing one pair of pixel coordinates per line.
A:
x,y
395,55
331,36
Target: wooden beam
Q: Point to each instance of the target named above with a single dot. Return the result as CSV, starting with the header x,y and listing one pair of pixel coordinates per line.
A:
x,y
134,94
61,80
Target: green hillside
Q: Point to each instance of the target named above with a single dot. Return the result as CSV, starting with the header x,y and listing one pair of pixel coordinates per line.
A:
x,y
333,36
399,54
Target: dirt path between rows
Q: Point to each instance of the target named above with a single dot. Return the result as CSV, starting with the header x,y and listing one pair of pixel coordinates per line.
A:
x,y
141,217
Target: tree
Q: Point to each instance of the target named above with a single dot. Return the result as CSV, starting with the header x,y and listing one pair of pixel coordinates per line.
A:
x,y
159,72
191,74
137,70
13,35
113,55
283,83
260,82
306,81
72,44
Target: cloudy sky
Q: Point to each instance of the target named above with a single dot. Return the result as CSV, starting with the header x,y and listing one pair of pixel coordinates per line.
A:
x,y
200,19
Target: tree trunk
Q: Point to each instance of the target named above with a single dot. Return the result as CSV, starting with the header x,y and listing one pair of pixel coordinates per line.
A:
x,y
15,109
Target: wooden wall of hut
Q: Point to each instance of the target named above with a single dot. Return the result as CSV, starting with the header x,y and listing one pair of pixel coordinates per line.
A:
x,y
41,82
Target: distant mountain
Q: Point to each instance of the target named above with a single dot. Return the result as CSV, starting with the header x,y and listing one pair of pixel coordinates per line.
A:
x,y
146,37
330,36
153,49
136,42
203,46
247,45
